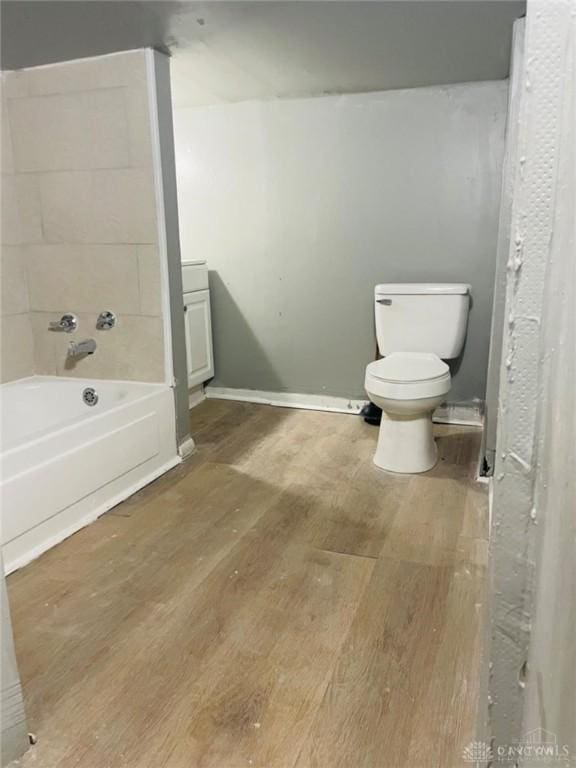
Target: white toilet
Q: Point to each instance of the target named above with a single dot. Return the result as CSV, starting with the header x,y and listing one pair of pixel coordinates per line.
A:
x,y
417,324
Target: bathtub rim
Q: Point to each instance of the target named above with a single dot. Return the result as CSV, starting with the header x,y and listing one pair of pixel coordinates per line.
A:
x,y
26,547
39,437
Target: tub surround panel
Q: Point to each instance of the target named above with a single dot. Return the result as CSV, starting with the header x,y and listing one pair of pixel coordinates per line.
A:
x,y
21,211
131,351
13,282
109,206
15,84
19,220
94,277
17,360
115,71
85,129
149,280
29,203
44,343
11,225
125,277
6,138
79,213
139,126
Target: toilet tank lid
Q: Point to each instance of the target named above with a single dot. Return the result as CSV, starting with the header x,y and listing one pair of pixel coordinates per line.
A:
x,y
413,289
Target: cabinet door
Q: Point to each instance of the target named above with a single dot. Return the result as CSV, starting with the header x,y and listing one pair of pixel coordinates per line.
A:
x,y
198,337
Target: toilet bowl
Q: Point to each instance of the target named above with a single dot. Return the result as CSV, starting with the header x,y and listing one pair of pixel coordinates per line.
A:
x,y
418,326
407,386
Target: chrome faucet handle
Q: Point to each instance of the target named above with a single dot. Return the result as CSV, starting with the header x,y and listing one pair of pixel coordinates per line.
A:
x,y
105,320
67,323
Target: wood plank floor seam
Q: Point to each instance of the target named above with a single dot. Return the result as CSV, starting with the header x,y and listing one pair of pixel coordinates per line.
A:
x,y
273,602
347,554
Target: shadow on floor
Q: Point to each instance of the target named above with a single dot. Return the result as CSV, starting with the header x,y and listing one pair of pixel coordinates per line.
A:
x,y
227,426
458,451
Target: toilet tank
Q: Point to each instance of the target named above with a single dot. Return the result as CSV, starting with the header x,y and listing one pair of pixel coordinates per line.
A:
x,y
421,317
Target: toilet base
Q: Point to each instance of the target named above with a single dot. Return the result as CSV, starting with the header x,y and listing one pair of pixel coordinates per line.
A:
x,y
406,443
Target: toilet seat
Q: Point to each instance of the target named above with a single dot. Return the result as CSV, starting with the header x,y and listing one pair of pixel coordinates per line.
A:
x,y
408,376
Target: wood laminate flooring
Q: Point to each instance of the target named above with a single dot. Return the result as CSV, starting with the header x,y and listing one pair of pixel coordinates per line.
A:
x,y
276,601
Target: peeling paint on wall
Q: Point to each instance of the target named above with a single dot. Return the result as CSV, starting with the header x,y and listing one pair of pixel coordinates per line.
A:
x,y
534,478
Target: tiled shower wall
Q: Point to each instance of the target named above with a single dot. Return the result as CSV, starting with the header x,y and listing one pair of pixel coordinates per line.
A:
x,y
20,224
79,219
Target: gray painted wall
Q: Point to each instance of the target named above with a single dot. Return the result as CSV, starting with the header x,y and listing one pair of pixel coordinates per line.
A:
x,y
302,206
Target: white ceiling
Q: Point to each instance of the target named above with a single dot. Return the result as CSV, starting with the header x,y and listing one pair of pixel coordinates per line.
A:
x,y
234,51
238,51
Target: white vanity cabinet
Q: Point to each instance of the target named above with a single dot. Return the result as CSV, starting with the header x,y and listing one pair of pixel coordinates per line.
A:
x,y
197,323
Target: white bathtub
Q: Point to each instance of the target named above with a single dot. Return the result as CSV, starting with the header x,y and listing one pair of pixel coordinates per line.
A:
x,y
64,463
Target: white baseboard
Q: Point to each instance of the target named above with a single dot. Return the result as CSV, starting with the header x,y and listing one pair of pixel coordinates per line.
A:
x,y
288,399
196,396
465,414
186,448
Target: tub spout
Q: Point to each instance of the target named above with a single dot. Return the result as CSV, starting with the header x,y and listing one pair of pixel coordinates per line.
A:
x,y
79,348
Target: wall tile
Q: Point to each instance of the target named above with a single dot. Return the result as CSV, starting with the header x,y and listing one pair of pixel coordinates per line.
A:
x,y
137,111
124,69
13,280
80,216
44,343
125,206
21,216
6,158
15,83
133,66
65,200
16,357
133,350
150,280
30,210
10,215
88,278
73,131
113,206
